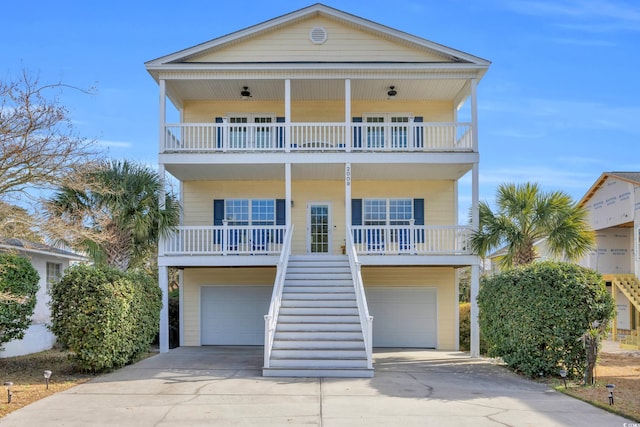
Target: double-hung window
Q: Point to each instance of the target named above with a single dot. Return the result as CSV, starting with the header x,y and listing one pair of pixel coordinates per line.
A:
x,y
250,211
388,211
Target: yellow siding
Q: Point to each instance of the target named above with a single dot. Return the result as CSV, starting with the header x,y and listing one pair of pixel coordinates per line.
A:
x,y
441,278
194,278
316,111
292,43
198,199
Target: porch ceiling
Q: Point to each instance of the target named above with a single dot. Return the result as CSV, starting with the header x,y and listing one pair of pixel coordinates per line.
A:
x,y
315,89
318,171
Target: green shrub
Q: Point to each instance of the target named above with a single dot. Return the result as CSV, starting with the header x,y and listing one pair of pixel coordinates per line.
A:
x,y
107,318
18,288
535,316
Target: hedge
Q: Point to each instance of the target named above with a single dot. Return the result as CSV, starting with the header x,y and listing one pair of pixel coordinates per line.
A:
x,y
18,289
105,317
535,316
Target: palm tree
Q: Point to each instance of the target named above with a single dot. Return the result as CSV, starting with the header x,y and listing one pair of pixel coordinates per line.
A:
x,y
113,213
525,215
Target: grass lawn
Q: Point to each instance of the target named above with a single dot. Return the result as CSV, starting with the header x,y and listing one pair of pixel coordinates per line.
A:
x,y
27,375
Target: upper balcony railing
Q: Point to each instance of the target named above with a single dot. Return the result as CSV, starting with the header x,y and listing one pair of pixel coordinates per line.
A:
x,y
304,137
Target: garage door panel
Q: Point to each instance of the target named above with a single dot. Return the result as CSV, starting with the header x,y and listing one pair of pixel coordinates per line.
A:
x,y
403,316
234,315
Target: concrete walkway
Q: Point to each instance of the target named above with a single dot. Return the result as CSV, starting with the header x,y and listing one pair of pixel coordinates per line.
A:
x,y
223,386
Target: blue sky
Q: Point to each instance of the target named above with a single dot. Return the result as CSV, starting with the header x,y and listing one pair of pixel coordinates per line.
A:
x,y
559,105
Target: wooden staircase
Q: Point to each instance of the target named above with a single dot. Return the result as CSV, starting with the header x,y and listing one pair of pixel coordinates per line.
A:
x,y
318,332
629,285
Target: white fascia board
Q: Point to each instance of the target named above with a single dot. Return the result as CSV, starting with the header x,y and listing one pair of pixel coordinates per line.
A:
x,y
43,252
315,157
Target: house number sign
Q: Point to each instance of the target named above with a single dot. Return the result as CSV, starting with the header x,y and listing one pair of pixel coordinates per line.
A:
x,y
347,175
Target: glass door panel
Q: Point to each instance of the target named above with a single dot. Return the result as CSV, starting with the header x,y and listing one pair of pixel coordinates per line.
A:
x,y
319,226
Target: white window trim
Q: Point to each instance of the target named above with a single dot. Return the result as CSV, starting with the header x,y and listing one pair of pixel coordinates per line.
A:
x,y
387,116
387,207
250,218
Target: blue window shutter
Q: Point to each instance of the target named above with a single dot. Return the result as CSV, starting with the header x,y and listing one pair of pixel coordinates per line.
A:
x,y
280,133
418,211
281,212
418,137
218,211
356,211
357,134
219,135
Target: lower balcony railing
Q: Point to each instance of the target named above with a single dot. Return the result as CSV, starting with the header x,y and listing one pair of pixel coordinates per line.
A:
x,y
300,137
382,240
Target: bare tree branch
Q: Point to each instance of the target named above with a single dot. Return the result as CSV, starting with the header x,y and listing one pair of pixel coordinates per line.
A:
x,y
39,147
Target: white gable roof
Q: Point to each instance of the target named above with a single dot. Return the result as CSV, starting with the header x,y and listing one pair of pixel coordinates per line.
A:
x,y
449,56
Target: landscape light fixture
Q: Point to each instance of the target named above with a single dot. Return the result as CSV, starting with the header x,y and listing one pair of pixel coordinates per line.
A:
x,y
8,385
47,375
244,93
610,388
563,374
392,92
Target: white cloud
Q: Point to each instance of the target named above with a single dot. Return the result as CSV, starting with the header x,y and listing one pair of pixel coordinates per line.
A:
x,y
585,15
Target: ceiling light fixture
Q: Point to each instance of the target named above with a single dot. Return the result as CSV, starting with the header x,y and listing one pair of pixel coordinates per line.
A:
x,y
244,93
392,92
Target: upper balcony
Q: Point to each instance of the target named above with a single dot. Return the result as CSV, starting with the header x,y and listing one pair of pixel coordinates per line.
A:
x,y
317,137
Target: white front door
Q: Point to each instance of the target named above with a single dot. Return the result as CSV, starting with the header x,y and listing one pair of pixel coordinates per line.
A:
x,y
318,227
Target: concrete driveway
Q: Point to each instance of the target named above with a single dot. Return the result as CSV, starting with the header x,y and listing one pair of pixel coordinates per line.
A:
x,y
223,386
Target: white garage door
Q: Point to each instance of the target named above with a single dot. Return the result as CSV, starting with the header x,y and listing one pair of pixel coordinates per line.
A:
x,y
403,316
233,315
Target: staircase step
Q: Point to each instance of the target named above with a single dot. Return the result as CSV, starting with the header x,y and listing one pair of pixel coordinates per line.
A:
x,y
350,302
318,327
319,318
318,372
318,336
317,276
318,354
319,311
317,296
318,363
318,289
318,282
318,344
301,269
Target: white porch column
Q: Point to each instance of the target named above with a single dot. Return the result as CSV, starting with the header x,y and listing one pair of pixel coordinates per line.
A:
x,y
474,113
163,281
181,306
287,116
475,269
347,113
347,195
163,114
287,191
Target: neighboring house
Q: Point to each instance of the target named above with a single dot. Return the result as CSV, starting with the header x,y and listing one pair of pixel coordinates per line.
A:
x,y
50,263
542,254
613,202
319,156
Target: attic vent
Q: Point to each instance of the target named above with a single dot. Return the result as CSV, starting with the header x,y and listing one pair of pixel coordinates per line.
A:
x,y
318,35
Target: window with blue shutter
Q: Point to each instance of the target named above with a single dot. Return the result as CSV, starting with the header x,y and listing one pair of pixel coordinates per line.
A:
x,y
280,133
418,133
219,133
357,133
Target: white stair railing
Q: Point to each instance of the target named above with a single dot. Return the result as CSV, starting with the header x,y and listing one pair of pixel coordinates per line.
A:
x,y
366,320
271,318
